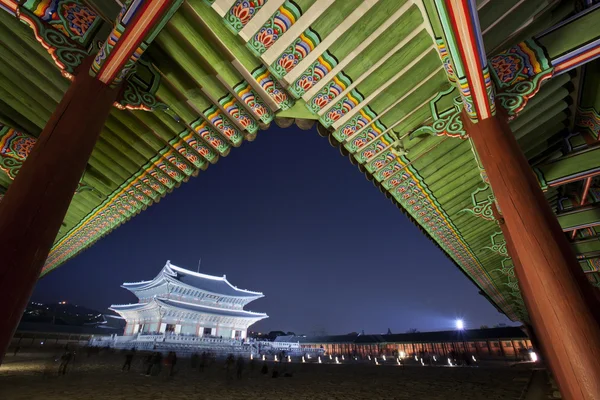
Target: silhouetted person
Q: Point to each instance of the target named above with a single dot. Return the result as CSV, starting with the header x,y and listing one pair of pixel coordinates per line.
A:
x,y
171,361
65,359
229,365
128,359
203,360
240,366
194,360
154,366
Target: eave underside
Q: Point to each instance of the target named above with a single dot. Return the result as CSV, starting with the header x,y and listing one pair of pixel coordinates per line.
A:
x,y
381,69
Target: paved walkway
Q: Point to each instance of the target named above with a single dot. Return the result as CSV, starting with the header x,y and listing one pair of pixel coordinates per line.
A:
x,y
99,378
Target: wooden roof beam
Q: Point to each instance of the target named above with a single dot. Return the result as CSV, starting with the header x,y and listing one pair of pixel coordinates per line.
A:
x,y
464,56
561,48
134,30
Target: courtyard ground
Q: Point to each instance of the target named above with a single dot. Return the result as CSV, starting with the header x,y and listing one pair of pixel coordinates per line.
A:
x,y
34,376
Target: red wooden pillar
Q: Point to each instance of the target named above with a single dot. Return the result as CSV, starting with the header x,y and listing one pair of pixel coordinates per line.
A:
x,y
567,315
35,205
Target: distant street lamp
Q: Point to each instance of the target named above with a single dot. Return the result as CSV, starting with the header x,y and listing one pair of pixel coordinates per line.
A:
x,y
460,325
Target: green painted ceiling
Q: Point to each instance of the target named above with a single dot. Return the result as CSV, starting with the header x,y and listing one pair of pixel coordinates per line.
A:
x,y
368,71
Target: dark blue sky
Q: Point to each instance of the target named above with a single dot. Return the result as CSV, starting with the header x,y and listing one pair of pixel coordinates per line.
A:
x,y
289,216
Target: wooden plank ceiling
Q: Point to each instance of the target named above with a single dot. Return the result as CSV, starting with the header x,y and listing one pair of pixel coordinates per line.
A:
x,y
369,72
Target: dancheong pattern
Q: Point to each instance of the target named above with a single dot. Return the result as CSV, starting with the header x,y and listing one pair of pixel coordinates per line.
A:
x,y
277,25
207,133
242,12
360,129
254,102
75,20
518,73
330,91
14,149
237,112
295,53
273,88
324,64
223,125
376,147
342,107
588,120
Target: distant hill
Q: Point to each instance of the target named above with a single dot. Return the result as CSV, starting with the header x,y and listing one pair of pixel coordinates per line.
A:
x,y
66,314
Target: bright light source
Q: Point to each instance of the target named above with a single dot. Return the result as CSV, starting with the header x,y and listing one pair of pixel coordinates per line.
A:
x,y
289,358
533,356
330,356
416,358
402,354
449,362
474,359
251,356
319,359
343,357
263,357
460,325
398,360
303,360
336,360
369,357
434,359
384,357
276,358
376,363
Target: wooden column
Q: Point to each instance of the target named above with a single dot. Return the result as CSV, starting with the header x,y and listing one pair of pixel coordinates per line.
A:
x,y
35,205
523,284
568,315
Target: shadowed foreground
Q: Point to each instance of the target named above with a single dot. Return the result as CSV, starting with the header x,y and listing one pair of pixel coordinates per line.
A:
x,y
29,376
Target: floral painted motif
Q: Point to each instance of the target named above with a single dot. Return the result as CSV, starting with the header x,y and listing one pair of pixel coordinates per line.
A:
x,y
73,19
342,107
324,64
233,109
518,73
272,87
79,17
15,146
329,92
507,67
223,125
277,25
356,123
295,53
242,12
253,100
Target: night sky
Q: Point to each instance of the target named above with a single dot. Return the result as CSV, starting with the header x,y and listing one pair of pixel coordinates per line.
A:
x,y
286,215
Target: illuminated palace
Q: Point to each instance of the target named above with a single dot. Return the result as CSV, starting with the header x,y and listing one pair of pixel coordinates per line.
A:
x,y
181,306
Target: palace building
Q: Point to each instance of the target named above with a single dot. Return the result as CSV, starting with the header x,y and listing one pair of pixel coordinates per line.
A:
x,y
181,303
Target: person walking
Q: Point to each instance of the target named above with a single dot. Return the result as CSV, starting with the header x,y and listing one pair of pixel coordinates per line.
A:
x,y
128,359
154,365
203,361
240,366
172,361
65,359
229,365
